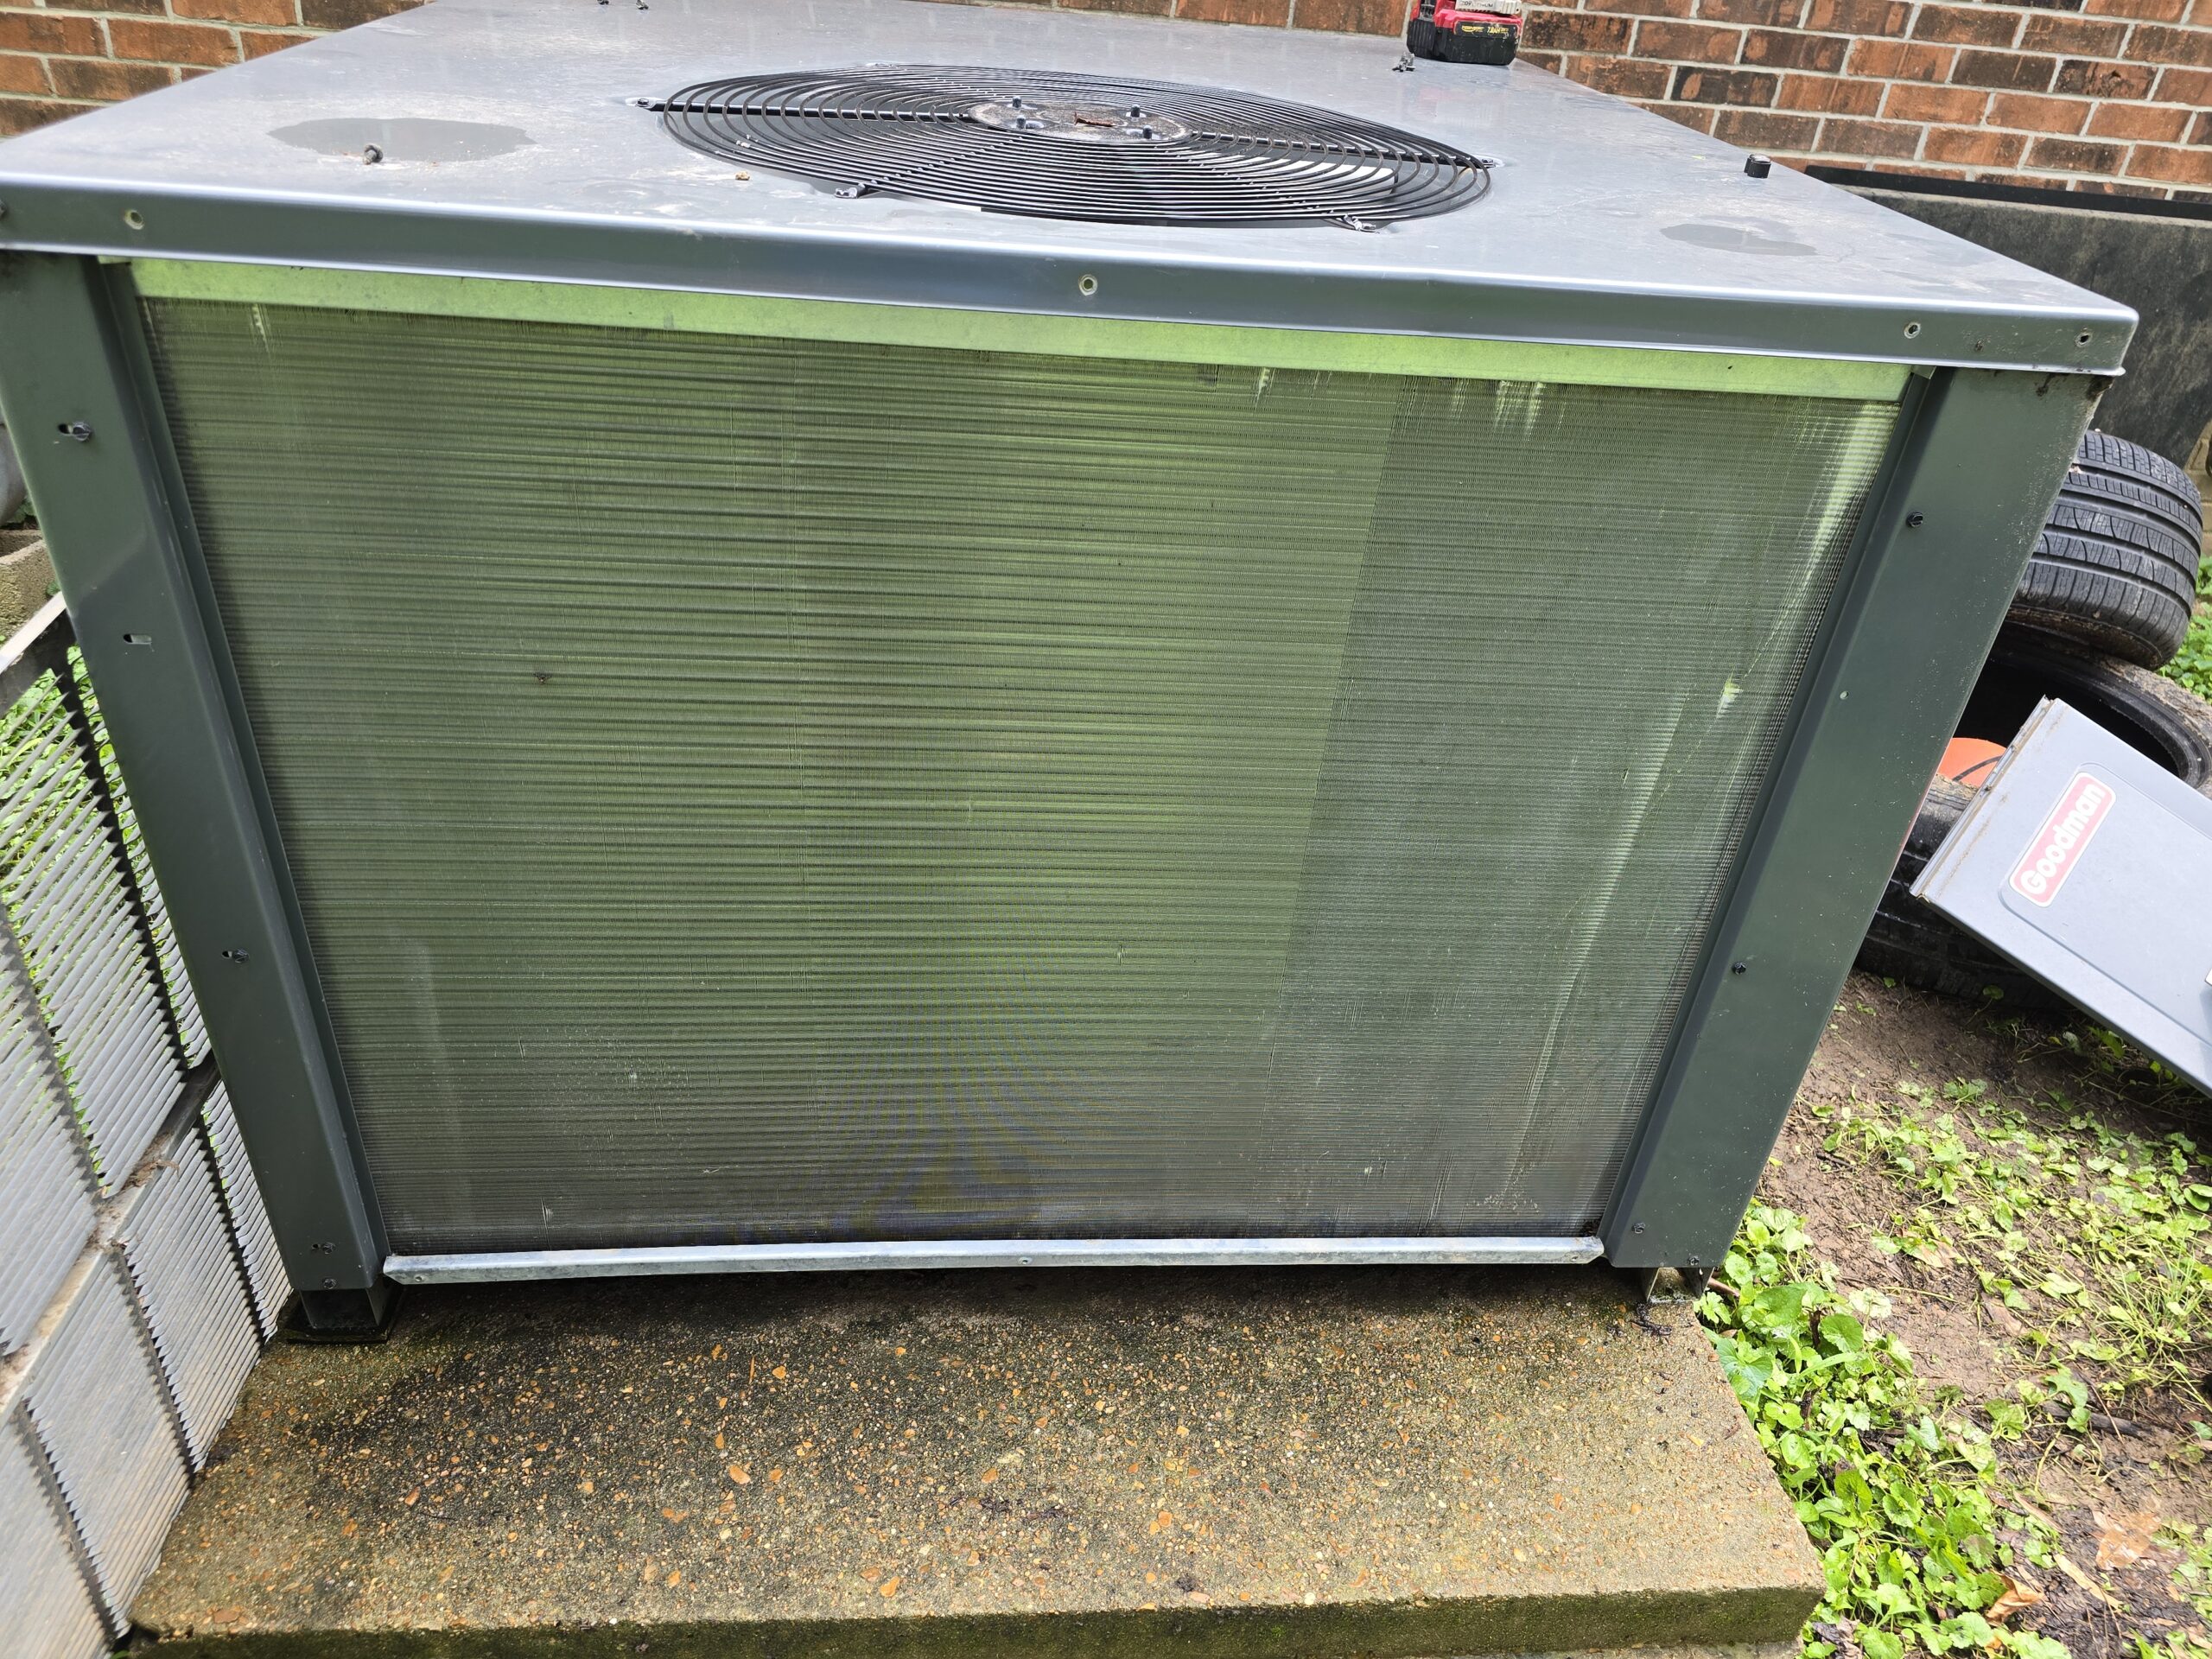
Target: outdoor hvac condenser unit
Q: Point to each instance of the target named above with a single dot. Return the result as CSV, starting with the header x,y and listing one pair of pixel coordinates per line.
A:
x,y
751,635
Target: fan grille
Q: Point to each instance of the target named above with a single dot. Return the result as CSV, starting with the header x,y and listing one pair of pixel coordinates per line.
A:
x,y
1067,146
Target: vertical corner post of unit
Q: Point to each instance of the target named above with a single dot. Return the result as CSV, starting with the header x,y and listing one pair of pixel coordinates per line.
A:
x,y
77,384
1977,460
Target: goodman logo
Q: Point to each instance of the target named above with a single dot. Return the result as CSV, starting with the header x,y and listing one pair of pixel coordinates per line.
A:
x,y
2058,845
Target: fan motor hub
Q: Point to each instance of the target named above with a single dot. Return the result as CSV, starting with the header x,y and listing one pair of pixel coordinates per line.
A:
x,y
1080,123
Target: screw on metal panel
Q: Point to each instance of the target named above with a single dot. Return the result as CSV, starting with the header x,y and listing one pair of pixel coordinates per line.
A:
x,y
1637,1228
1086,285
1912,330
371,154
1758,166
1915,520
330,1284
1739,968
1404,66
134,218
77,430
2081,339
234,956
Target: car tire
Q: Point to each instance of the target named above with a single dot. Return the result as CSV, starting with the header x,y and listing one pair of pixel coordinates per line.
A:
x,y
2115,567
1909,942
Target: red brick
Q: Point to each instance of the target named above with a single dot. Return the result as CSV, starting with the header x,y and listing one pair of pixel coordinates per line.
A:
x,y
344,14
1344,16
1687,43
1568,31
2027,113
1869,137
275,14
1901,61
1549,62
1955,106
1967,25
1877,18
2204,133
148,8
2076,155
1697,120
1747,86
2108,187
1972,147
2201,15
1622,77
2175,166
2046,31
1768,14
206,44
21,73
2086,79
1831,95
104,80
1649,7
1275,13
2192,86
22,114
1765,129
2154,11
260,45
2004,71
1781,48
315,12
2150,123
38,31
2152,43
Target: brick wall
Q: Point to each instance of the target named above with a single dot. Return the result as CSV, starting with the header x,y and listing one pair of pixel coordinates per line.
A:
x,y
2116,97
2101,95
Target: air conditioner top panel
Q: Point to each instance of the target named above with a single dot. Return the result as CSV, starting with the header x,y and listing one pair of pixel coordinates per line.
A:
x,y
511,141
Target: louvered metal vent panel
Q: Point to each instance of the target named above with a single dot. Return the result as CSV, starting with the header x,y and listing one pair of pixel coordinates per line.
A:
x,y
257,1239
187,1277
192,1031
46,1197
45,1611
96,1403
747,789
62,880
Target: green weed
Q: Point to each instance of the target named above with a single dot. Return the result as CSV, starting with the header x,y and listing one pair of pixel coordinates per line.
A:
x,y
2099,1241
1900,1499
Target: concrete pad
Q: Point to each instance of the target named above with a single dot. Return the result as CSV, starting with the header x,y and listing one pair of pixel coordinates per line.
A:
x,y
1296,1462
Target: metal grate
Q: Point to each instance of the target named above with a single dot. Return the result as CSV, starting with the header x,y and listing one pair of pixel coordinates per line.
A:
x,y
131,1310
45,1611
71,903
189,1279
1067,146
99,1414
184,1007
256,1239
46,1197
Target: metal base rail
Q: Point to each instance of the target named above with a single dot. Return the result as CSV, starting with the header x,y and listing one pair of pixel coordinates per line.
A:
x,y
493,1266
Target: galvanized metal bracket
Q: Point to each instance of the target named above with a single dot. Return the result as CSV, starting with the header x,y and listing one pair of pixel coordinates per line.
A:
x,y
72,368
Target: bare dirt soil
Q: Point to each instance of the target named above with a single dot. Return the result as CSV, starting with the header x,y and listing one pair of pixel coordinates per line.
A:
x,y
2107,1489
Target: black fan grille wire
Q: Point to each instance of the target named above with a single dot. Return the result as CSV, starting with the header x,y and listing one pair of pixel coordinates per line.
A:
x,y
1065,146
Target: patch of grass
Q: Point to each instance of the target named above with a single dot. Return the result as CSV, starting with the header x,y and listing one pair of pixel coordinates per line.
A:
x,y
2192,665
2099,1241
1901,1499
